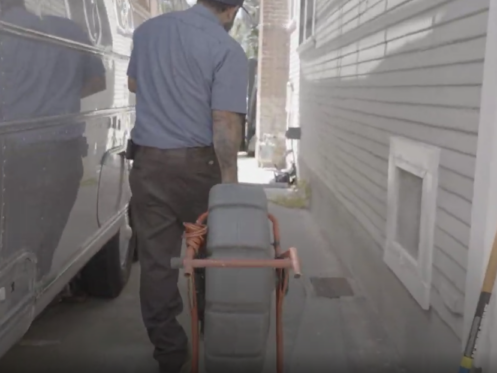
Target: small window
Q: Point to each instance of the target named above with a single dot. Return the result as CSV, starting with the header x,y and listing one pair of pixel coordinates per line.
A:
x,y
409,211
307,19
412,204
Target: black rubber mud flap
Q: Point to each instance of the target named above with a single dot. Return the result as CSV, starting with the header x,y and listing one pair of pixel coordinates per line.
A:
x,y
133,243
200,291
106,275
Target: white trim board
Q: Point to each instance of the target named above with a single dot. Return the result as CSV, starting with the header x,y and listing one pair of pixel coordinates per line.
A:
x,y
422,161
484,205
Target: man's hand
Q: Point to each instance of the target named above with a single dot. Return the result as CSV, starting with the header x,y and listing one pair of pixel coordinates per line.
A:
x,y
227,128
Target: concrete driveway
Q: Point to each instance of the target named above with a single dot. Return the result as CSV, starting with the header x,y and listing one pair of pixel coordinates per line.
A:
x,y
329,324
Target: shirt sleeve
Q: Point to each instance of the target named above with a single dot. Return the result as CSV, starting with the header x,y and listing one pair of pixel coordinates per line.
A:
x,y
230,85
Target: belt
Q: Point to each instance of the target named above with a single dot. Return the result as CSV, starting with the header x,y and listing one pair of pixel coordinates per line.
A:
x,y
181,152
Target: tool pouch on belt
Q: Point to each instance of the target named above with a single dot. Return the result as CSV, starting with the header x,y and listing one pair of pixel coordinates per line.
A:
x,y
130,150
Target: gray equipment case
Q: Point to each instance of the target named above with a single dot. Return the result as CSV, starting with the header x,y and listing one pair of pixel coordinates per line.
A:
x,y
238,301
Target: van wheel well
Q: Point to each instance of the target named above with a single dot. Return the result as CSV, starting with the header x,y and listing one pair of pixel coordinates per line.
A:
x,y
107,273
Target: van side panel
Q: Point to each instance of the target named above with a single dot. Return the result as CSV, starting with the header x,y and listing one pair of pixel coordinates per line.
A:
x,y
65,117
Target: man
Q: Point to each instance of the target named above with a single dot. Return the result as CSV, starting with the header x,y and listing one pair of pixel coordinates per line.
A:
x,y
41,80
61,76
190,80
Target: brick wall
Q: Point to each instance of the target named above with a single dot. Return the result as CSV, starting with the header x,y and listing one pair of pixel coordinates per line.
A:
x,y
293,104
272,73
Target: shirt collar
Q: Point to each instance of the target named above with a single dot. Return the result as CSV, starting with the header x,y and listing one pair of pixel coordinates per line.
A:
x,y
205,12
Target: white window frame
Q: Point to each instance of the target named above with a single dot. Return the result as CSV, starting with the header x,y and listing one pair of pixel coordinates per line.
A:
x,y
421,160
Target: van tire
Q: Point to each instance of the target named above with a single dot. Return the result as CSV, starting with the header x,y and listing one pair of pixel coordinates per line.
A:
x,y
106,275
133,239
136,258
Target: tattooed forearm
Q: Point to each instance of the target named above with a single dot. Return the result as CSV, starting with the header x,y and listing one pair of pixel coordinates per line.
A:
x,y
227,139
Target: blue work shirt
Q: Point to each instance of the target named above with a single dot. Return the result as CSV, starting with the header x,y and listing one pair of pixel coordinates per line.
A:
x,y
42,79
185,65
22,70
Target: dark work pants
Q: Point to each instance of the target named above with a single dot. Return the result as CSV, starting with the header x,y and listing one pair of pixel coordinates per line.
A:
x,y
169,187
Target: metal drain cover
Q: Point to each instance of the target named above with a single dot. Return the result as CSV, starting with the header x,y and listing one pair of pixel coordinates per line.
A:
x,y
331,287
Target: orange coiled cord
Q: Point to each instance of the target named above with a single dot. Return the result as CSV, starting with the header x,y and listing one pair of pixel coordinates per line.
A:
x,y
195,236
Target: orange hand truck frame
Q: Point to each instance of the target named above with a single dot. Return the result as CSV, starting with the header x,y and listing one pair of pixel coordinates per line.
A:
x,y
195,235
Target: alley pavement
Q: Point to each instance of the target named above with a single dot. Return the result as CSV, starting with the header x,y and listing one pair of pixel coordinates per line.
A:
x,y
329,323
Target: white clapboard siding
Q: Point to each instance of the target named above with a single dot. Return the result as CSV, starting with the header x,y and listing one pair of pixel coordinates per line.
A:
x,y
382,68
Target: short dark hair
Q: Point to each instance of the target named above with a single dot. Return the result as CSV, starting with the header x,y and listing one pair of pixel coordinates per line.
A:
x,y
215,5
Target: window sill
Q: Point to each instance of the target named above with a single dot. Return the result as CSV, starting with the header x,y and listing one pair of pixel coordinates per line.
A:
x,y
307,45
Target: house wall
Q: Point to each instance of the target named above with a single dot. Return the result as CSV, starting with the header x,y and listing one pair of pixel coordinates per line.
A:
x,y
410,68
